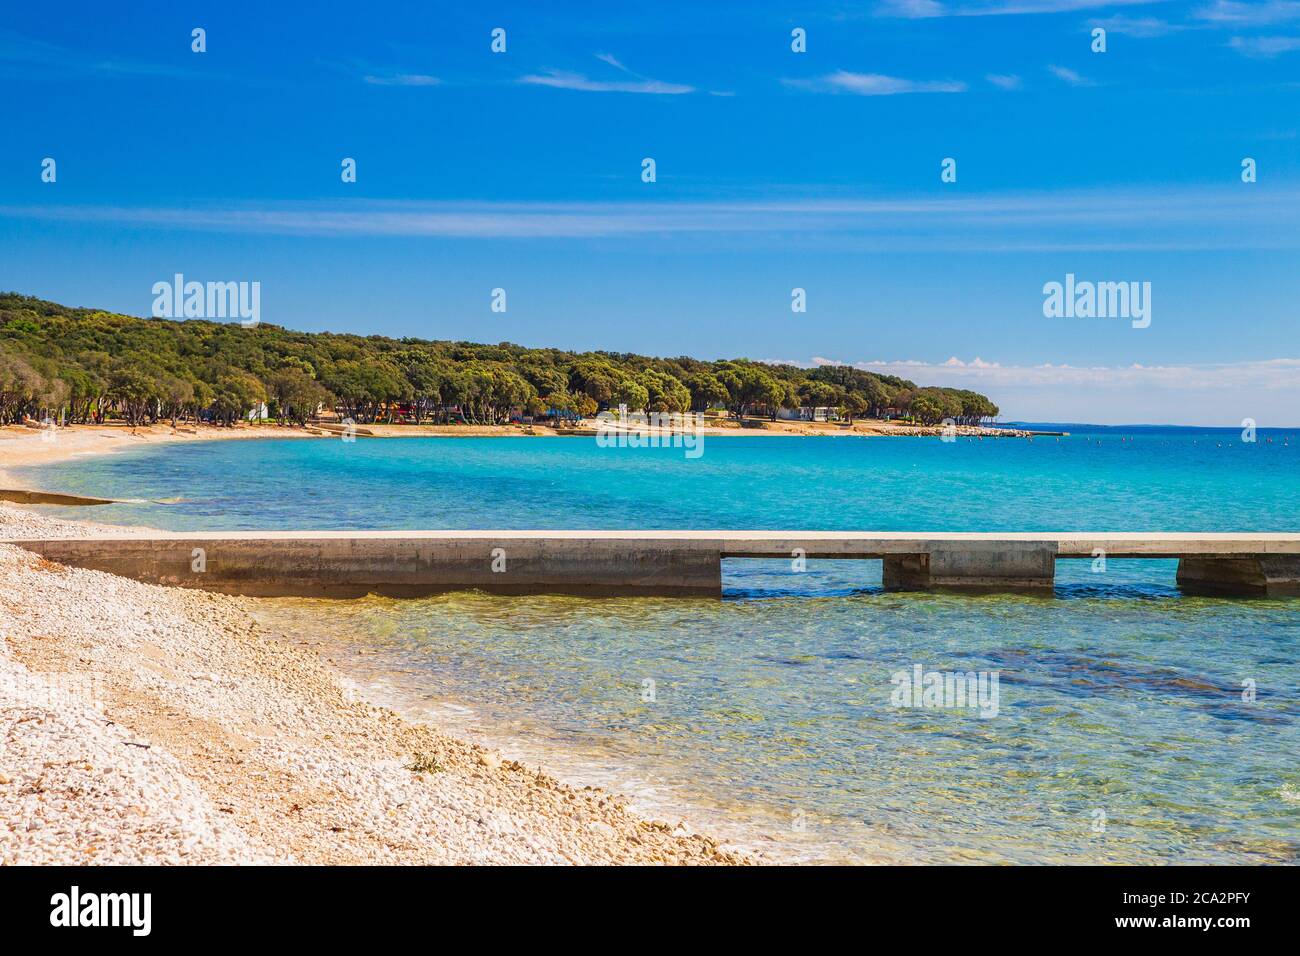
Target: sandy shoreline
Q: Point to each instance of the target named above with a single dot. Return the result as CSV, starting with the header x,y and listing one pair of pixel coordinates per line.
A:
x,y
144,724
21,447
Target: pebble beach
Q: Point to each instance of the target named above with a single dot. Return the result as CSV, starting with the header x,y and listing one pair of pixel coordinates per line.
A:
x,y
150,725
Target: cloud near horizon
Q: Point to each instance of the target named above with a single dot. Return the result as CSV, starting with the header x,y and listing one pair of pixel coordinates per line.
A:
x,y
1266,390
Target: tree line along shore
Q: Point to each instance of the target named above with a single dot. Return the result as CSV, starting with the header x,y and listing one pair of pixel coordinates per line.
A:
x,y
74,365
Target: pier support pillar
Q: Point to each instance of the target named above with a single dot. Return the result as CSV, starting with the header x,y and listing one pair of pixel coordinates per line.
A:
x,y
1263,575
976,569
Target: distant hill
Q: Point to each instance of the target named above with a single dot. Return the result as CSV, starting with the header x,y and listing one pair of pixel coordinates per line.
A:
x,y
85,365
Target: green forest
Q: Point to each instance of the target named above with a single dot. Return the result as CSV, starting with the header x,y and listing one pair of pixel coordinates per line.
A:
x,y
73,365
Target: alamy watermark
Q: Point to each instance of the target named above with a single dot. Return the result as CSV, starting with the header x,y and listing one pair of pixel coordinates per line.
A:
x,y
946,690
75,908
179,299
1098,300
626,429
56,691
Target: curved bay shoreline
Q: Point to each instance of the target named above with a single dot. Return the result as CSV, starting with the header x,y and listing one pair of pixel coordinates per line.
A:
x,y
145,724
21,446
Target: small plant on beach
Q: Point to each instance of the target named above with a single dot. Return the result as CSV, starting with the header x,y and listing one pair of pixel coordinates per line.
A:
x,y
424,763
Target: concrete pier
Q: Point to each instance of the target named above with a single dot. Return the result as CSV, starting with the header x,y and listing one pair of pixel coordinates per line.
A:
x,y
682,563
406,564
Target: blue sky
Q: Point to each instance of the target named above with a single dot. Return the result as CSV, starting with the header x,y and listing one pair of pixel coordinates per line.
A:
x,y
775,170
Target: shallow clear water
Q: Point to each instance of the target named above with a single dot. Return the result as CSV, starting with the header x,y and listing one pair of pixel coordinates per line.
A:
x,y
1158,480
772,714
1121,731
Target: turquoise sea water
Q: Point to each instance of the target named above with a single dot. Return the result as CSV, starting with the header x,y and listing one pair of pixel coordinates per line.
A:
x,y
1121,733
1160,480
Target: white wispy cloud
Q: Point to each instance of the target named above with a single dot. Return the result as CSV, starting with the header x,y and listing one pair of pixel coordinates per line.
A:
x,y
562,80
1023,7
1067,75
912,9
401,79
1143,28
634,83
924,9
1005,81
27,54
1265,47
1111,219
1237,13
874,84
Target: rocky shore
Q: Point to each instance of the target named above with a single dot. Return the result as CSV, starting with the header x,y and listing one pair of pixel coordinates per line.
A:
x,y
142,724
